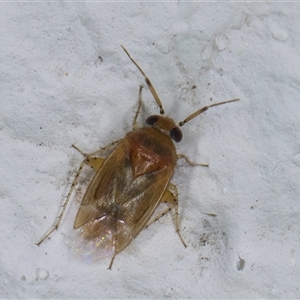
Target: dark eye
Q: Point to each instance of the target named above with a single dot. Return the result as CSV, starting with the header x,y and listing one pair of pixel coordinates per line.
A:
x,y
176,134
152,120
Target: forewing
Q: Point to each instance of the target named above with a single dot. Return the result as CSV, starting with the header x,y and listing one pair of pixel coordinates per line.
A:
x,y
100,195
116,191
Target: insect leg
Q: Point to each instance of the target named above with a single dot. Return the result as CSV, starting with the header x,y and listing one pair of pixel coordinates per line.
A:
x,y
170,197
93,160
179,156
111,262
90,160
134,123
56,225
153,92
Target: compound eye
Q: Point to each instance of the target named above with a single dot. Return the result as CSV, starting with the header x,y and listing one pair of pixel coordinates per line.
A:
x,y
152,120
176,134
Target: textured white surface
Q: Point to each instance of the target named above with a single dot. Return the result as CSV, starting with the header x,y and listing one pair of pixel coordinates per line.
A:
x,y
55,91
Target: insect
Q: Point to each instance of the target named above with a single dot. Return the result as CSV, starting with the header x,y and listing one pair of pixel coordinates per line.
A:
x,y
130,182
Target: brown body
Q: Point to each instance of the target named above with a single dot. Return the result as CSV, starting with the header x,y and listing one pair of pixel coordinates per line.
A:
x,y
128,187
129,183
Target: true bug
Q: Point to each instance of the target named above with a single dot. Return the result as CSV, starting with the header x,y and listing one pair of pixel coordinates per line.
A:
x,y
131,181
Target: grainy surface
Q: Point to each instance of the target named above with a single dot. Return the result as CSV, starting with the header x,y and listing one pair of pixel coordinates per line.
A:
x,y
55,91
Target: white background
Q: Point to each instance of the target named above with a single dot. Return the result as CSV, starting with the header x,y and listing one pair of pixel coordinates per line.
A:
x,y
56,91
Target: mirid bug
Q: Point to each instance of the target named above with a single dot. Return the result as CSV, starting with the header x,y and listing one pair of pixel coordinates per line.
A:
x,y
130,182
